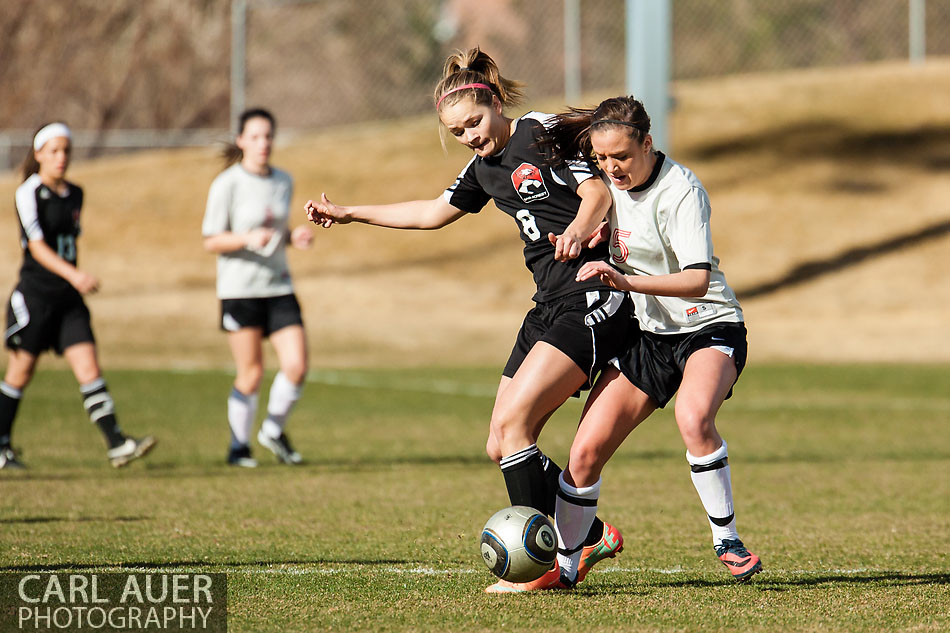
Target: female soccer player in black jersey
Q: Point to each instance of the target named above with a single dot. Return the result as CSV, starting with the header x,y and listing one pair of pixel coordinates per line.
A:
x,y
46,310
574,328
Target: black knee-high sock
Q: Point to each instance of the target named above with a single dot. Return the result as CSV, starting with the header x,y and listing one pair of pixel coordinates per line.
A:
x,y
101,409
525,479
552,474
9,402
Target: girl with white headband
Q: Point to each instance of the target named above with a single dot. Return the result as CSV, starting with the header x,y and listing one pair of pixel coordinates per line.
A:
x,y
46,310
574,328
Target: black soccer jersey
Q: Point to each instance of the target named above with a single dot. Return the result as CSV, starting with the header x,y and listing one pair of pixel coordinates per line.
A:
x,y
46,215
541,199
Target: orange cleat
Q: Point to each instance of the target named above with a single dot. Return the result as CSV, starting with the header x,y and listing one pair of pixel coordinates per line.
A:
x,y
550,580
742,563
609,546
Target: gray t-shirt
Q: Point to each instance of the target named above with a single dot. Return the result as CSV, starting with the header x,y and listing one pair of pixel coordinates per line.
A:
x,y
239,201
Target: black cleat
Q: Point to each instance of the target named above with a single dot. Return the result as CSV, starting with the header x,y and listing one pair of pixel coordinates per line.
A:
x,y
280,447
241,456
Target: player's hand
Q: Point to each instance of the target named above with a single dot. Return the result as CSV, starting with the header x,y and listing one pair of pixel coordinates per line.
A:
x,y
301,237
600,234
324,213
258,238
566,246
85,283
606,273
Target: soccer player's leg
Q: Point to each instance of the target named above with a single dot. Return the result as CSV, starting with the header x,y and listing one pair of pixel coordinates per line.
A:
x,y
543,381
613,410
20,366
246,349
291,347
100,407
707,378
27,335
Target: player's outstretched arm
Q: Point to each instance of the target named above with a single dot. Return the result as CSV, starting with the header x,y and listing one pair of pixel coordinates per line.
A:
x,y
417,214
595,202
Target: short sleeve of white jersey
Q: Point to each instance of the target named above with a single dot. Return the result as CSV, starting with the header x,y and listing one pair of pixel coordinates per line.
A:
x,y
26,208
688,229
217,212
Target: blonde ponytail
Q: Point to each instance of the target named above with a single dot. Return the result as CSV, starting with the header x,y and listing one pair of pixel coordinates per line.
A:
x,y
475,74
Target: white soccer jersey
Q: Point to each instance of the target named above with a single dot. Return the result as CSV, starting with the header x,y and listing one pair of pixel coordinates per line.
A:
x,y
661,228
239,201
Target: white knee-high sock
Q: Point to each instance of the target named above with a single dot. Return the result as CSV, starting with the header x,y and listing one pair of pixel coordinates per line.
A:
x,y
710,474
283,396
575,510
242,408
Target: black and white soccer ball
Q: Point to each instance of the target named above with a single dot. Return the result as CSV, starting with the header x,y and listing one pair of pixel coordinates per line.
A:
x,y
518,544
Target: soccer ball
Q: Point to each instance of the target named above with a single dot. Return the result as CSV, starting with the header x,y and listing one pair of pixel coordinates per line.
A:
x,y
518,544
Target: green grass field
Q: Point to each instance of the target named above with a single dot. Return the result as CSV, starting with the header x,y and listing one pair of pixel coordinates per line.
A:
x,y
841,473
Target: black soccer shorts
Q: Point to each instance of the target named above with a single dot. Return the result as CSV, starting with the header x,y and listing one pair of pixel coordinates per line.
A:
x,y
268,313
589,327
37,322
654,363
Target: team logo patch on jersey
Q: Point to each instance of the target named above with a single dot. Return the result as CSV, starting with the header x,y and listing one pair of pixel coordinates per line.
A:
x,y
528,183
701,311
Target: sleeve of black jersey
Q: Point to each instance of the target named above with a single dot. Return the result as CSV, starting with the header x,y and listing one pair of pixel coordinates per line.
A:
x,y
79,200
574,172
466,194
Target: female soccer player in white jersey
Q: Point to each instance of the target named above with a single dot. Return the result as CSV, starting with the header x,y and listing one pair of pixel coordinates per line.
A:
x,y
574,328
46,310
245,224
691,339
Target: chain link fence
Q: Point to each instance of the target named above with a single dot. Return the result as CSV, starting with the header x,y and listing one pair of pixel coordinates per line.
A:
x,y
160,65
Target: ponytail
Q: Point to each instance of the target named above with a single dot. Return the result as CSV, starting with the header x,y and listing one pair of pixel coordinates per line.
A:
x,y
474,74
29,166
569,136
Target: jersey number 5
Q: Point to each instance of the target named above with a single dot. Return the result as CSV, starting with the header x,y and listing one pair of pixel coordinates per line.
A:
x,y
615,243
528,224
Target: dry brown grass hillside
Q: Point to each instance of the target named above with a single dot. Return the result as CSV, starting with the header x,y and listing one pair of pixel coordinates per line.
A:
x,y
831,215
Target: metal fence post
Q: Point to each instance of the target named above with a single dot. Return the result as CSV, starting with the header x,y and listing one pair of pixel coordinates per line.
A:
x,y
649,42
917,36
572,51
238,59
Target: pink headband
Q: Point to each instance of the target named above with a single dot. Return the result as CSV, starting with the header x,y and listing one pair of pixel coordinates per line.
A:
x,y
485,86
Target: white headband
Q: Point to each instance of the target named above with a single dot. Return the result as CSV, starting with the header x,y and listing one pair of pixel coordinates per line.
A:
x,y
51,131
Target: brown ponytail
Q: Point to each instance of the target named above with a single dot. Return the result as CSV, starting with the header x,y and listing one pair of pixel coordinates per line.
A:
x,y
570,134
475,67
30,165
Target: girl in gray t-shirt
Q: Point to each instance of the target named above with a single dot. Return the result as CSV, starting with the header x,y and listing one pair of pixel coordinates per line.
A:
x,y
245,224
